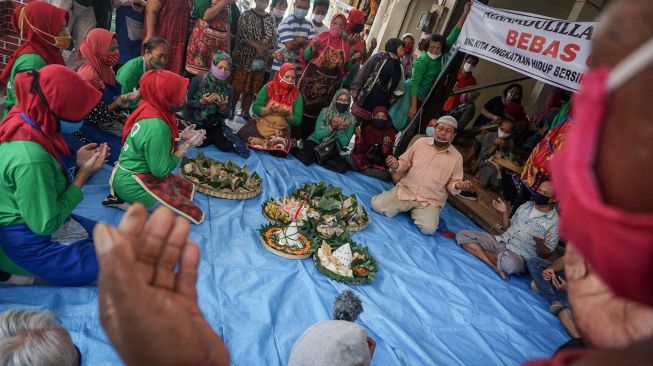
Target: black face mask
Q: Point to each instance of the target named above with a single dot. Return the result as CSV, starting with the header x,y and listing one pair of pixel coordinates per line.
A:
x,y
540,199
177,109
441,144
357,28
379,123
342,107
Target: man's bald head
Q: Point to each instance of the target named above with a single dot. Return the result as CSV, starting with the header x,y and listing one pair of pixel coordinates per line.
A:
x,y
624,153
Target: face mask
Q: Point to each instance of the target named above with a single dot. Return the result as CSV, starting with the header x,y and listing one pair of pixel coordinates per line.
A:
x,y
68,127
62,42
335,32
300,13
502,135
430,131
468,67
511,96
611,239
112,59
463,98
408,49
433,56
219,73
379,123
342,107
540,199
175,109
278,13
318,18
357,28
440,143
286,84
157,64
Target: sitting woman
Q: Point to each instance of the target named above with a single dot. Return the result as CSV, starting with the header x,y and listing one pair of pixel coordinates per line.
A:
x,y
373,145
209,103
38,234
150,151
279,106
100,53
336,120
493,110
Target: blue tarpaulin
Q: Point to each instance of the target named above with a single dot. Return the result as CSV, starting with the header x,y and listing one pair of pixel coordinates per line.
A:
x,y
431,304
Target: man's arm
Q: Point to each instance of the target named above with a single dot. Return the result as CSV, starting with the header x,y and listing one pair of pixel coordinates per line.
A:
x,y
152,14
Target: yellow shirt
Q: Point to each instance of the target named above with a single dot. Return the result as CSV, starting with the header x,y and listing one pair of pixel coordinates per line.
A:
x,y
428,173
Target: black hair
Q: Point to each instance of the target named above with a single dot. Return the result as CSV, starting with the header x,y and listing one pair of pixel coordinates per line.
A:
x,y
274,3
472,58
154,42
423,44
521,92
324,3
441,39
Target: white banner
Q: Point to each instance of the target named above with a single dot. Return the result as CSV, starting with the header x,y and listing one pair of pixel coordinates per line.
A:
x,y
551,50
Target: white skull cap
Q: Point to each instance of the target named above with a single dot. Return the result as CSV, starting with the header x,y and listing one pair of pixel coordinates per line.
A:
x,y
448,120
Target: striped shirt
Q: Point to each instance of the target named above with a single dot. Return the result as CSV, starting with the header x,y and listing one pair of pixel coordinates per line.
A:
x,y
288,29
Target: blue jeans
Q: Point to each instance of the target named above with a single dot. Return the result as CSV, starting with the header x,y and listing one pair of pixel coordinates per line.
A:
x,y
536,266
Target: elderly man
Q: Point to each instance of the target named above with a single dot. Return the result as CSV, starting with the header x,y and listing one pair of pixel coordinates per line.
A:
x,y
532,232
430,167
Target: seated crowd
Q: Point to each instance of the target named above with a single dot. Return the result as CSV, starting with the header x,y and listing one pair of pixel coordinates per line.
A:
x,y
305,89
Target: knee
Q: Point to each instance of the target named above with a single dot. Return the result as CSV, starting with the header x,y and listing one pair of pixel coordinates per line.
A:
x,y
464,237
428,228
510,263
376,204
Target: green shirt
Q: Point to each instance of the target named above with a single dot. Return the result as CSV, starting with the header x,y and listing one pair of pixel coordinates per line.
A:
x,y
24,62
129,75
321,132
262,101
148,149
426,70
35,190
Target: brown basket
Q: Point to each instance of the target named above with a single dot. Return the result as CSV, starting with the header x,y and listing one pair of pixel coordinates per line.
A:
x,y
210,191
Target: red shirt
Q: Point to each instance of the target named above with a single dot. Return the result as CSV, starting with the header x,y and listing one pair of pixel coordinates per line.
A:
x,y
463,81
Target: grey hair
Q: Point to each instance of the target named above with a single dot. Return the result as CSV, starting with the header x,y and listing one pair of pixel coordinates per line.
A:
x,y
347,306
33,338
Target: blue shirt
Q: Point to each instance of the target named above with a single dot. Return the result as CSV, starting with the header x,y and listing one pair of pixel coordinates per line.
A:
x,y
288,29
523,227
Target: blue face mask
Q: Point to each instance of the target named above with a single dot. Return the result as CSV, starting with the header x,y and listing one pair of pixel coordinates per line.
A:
x,y
300,13
68,127
430,131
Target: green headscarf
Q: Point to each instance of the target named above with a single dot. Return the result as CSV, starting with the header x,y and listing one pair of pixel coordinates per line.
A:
x,y
210,84
331,112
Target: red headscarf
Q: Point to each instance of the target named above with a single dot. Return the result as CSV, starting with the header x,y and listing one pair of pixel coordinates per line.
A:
x,y
355,17
38,23
160,90
95,50
339,44
282,92
59,85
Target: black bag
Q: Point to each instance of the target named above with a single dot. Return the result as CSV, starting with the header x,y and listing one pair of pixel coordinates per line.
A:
x,y
375,155
326,149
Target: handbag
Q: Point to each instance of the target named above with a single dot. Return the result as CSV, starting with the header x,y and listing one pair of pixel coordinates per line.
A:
x,y
375,155
326,149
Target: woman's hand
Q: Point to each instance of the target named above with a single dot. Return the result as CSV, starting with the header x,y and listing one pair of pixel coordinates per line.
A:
x,y
90,159
188,132
222,102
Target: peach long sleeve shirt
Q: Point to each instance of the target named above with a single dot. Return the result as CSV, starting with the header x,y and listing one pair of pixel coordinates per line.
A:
x,y
429,173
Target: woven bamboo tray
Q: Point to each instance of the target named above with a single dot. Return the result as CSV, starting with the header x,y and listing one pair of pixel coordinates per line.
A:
x,y
210,191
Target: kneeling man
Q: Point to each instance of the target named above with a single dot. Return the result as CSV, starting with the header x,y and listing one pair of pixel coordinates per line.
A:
x,y
430,167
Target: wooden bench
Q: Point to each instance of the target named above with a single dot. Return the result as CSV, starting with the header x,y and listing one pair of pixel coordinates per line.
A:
x,y
480,211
